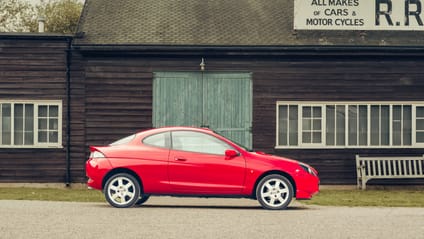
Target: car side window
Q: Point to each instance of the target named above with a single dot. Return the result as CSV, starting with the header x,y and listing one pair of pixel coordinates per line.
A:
x,y
157,140
198,142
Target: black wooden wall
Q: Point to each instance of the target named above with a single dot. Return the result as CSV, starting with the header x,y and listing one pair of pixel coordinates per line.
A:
x,y
33,69
119,95
111,97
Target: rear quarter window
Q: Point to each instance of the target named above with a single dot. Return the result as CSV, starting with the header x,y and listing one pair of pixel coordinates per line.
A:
x,y
157,140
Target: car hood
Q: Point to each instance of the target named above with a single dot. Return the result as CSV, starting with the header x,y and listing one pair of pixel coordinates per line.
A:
x,y
264,156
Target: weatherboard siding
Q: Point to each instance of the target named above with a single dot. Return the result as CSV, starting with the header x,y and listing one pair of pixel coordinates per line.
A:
x,y
119,96
33,68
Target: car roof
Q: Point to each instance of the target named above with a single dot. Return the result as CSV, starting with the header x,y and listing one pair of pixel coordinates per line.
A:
x,y
174,128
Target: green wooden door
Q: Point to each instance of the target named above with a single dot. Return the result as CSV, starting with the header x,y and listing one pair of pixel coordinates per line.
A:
x,y
220,101
228,105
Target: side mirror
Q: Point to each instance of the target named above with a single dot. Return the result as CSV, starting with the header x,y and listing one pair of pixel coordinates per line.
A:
x,y
230,154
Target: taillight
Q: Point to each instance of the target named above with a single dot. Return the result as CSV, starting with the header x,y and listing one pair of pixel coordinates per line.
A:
x,y
96,154
93,162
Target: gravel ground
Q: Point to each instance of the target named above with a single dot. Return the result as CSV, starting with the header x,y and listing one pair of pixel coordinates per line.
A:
x,y
167,217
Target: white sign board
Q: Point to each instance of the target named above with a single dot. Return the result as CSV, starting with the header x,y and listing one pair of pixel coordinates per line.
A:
x,y
390,15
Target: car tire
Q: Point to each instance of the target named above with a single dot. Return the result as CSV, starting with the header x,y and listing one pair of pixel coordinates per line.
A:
x,y
142,199
274,192
122,190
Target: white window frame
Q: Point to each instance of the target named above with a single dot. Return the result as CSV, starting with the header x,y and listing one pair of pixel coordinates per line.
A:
x,y
36,104
300,125
323,105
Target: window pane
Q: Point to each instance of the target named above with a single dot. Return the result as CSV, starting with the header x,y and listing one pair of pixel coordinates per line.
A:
x,y
307,124
420,111
53,137
42,124
29,138
385,125
316,137
19,110
293,125
19,138
407,125
375,125
29,119
42,136
283,124
42,111
198,142
53,124
397,125
420,124
330,125
53,111
317,112
307,112
306,137
6,124
363,125
353,124
157,140
420,137
340,125
317,124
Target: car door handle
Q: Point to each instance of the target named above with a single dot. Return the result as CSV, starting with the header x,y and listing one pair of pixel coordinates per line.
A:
x,y
180,159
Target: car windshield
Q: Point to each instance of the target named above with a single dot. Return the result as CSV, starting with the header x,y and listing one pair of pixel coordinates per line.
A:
x,y
122,141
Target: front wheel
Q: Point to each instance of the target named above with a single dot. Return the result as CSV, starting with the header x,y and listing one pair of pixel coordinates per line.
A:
x,y
122,190
274,192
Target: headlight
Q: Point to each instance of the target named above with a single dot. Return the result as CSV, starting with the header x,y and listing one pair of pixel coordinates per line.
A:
x,y
307,169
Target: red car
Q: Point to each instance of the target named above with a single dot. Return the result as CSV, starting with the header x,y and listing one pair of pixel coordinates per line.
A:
x,y
184,161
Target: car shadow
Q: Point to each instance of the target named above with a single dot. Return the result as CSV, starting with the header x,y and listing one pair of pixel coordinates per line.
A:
x,y
216,207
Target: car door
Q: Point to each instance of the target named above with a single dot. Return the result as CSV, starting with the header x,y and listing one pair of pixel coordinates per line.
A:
x,y
197,165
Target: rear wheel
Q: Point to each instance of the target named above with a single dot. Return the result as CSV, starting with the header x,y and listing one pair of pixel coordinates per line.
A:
x,y
122,190
274,192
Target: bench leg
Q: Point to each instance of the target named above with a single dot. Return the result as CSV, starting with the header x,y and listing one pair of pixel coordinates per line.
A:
x,y
364,184
358,183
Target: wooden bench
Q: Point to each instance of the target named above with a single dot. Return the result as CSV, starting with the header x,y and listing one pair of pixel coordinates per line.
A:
x,y
387,167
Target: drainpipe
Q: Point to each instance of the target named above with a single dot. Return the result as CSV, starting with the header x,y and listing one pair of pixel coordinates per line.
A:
x,y
68,112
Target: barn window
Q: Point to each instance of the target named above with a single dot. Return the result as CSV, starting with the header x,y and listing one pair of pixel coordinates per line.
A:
x,y
30,124
420,124
354,124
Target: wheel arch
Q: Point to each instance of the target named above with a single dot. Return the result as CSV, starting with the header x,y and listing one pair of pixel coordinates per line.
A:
x,y
282,173
122,170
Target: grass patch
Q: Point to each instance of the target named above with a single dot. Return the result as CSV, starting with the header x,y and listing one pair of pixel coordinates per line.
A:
x,y
376,198
52,194
327,197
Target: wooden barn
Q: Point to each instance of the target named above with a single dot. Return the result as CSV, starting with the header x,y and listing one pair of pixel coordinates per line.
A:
x,y
236,66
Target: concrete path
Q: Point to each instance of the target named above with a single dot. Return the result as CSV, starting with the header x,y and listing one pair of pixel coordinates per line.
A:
x,y
167,217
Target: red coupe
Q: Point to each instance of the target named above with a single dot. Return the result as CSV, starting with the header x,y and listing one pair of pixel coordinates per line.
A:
x,y
184,161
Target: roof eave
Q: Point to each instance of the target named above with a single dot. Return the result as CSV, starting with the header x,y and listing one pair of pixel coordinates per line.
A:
x,y
251,50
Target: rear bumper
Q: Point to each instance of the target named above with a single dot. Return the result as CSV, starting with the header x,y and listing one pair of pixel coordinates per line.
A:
x,y
95,170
